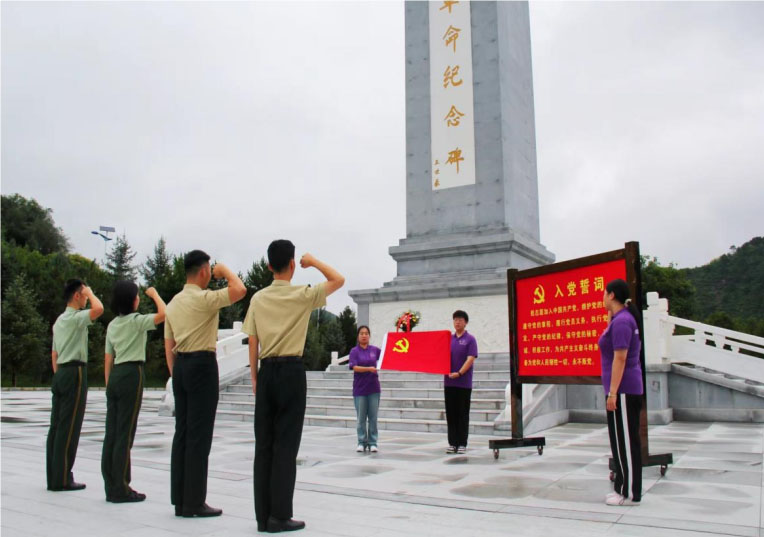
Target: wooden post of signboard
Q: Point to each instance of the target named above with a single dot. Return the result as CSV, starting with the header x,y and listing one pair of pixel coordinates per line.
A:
x,y
516,388
634,279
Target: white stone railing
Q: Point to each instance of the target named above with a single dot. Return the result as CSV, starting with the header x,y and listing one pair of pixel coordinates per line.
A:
x,y
337,361
707,346
232,354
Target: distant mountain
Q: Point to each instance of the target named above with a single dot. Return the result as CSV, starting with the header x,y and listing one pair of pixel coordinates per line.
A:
x,y
732,283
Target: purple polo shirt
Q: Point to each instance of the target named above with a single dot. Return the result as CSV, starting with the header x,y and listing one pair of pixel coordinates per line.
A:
x,y
461,348
622,333
364,383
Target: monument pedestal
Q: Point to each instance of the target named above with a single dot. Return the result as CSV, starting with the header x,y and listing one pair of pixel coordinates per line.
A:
x,y
440,274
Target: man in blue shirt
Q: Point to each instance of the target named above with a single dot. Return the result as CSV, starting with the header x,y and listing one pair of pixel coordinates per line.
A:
x,y
457,385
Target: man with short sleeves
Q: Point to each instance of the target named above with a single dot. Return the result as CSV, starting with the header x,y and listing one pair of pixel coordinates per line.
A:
x,y
457,386
190,331
277,324
70,383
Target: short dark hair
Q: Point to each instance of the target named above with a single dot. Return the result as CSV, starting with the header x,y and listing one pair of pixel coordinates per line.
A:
x,y
194,260
280,253
71,287
460,314
123,297
361,328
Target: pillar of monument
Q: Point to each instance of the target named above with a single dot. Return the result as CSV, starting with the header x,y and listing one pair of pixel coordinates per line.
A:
x,y
471,184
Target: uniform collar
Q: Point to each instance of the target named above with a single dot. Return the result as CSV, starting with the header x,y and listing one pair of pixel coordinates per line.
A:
x,y
463,334
192,286
277,283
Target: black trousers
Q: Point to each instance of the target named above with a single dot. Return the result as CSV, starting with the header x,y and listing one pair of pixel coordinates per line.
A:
x,y
626,446
70,394
123,403
196,391
458,414
279,416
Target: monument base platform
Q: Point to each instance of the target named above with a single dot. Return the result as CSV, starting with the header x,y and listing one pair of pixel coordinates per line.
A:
x,y
442,273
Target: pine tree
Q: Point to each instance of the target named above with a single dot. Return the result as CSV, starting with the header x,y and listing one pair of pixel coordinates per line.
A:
x,y
23,331
349,327
258,277
119,261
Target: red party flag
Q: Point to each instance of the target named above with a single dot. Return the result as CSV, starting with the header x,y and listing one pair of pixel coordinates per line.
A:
x,y
422,352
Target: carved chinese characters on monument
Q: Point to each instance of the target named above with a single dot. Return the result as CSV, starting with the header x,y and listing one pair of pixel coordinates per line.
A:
x,y
451,108
560,318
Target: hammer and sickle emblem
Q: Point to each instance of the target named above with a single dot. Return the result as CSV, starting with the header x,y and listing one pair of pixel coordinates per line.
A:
x,y
539,295
402,345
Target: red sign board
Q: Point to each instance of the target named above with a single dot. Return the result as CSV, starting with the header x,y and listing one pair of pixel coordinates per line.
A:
x,y
560,317
422,352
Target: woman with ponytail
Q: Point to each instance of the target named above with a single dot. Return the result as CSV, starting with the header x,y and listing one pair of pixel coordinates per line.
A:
x,y
622,380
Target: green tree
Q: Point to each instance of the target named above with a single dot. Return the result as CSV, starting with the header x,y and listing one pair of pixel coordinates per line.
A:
x,y
258,277
349,327
333,338
119,260
23,332
670,283
314,353
26,223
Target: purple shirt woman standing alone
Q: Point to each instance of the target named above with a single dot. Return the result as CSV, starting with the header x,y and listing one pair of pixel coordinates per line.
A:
x,y
620,347
366,389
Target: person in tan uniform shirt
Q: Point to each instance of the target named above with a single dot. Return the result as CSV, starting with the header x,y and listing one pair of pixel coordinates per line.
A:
x,y
277,324
190,332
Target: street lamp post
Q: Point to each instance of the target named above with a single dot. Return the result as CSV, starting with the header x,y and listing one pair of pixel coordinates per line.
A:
x,y
103,232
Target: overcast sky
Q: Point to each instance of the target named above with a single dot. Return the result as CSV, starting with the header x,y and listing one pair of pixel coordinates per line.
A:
x,y
223,126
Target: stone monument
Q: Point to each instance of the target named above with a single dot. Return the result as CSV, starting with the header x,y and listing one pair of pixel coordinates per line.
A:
x,y
471,185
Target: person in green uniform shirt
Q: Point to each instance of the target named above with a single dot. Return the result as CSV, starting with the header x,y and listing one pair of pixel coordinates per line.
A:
x,y
190,332
124,362
69,358
277,324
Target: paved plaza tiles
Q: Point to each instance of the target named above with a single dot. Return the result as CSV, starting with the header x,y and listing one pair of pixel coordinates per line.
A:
x,y
410,488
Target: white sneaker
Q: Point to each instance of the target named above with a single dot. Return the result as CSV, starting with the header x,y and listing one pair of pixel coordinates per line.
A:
x,y
374,449
617,499
451,450
359,449
461,450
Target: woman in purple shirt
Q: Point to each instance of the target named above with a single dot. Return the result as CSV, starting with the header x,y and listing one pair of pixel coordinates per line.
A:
x,y
366,390
622,380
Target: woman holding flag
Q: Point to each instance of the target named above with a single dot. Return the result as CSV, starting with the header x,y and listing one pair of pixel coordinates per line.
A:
x,y
366,389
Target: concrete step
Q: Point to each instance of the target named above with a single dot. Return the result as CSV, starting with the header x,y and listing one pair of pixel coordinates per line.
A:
x,y
429,384
347,401
384,412
401,375
411,393
385,424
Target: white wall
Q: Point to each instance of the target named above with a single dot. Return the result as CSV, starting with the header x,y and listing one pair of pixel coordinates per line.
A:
x,y
489,318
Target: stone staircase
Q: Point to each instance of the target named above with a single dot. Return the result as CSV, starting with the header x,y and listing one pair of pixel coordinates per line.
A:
x,y
409,401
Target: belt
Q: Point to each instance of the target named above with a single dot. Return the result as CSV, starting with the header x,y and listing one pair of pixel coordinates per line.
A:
x,y
73,363
131,362
197,354
283,359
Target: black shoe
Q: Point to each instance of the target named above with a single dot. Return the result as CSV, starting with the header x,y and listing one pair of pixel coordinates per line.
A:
x,y
262,527
203,511
277,526
131,497
178,510
69,486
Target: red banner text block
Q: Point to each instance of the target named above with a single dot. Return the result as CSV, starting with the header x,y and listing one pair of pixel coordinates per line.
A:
x,y
560,318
